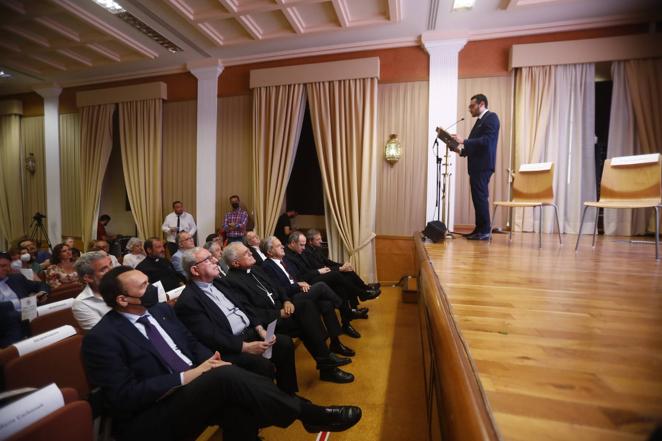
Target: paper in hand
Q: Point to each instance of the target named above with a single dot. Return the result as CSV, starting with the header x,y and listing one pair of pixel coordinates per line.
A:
x,y
271,330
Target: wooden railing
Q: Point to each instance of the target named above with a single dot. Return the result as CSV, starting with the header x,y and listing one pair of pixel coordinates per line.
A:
x,y
456,403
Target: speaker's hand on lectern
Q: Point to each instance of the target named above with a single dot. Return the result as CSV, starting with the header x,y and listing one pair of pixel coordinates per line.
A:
x,y
458,138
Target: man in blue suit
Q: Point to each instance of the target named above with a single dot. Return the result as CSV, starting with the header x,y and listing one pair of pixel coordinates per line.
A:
x,y
480,150
160,383
14,287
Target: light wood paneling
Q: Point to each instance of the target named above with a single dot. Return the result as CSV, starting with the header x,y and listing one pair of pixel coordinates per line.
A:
x,y
394,258
566,346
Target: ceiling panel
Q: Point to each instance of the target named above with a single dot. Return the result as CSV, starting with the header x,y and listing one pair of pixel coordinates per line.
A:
x,y
316,16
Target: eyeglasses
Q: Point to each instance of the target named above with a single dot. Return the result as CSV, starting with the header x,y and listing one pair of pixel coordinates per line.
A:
x,y
209,258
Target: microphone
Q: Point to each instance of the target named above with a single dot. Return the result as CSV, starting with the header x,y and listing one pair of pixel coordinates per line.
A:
x,y
454,124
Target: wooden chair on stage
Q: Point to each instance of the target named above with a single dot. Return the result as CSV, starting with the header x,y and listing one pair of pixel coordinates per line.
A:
x,y
629,182
533,186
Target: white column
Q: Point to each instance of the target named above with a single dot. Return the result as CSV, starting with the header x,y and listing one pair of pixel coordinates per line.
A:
x,y
52,154
207,72
443,112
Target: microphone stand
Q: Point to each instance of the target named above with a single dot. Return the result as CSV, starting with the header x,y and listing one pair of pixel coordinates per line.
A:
x,y
445,210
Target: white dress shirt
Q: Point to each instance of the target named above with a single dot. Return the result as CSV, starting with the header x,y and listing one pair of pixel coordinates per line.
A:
x,y
260,253
132,260
238,320
8,295
133,318
279,262
88,308
186,223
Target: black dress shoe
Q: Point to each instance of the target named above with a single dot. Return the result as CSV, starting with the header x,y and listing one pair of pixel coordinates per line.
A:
x,y
479,236
332,361
369,295
356,314
334,419
363,309
349,330
374,286
341,349
336,375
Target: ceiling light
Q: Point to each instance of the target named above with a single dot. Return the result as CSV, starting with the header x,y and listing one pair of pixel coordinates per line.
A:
x,y
111,6
463,4
4,74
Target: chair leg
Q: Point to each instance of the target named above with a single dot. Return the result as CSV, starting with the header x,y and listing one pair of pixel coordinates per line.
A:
x,y
493,216
657,233
512,224
558,224
595,225
540,226
581,225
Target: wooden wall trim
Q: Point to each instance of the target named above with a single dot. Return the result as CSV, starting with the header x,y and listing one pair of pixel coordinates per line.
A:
x,y
451,377
121,94
308,73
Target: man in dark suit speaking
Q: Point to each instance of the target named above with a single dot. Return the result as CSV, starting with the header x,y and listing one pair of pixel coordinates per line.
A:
x,y
480,150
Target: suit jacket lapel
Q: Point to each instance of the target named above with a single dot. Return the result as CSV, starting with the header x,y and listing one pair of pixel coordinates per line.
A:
x,y
209,306
129,330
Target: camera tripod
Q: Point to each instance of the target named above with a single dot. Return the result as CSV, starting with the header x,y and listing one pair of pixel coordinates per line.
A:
x,y
38,231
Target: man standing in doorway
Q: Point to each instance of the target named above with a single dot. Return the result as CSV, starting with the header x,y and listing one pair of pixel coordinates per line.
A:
x,y
178,220
480,150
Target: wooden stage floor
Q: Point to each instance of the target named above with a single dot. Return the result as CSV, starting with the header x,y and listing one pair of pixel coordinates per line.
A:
x,y
567,346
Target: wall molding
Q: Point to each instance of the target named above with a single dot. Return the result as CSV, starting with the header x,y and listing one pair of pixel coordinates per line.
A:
x,y
136,92
11,107
308,73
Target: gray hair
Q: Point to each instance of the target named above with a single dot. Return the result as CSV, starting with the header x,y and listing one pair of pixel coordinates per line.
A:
x,y
294,237
179,235
84,263
310,234
207,246
267,244
231,252
189,259
133,242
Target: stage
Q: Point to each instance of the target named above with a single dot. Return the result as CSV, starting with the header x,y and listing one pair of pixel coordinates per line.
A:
x,y
560,346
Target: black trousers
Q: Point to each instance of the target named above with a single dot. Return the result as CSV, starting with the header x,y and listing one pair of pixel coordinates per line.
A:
x,y
327,301
237,400
306,324
281,366
480,194
347,291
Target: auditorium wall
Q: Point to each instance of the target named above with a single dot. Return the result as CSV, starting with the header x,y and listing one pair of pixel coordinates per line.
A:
x,y
34,184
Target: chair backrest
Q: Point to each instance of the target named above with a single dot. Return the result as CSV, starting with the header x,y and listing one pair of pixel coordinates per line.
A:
x,y
60,363
632,178
45,323
64,292
72,422
534,183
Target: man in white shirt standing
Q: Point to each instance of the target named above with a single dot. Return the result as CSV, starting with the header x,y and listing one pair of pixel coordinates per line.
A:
x,y
178,220
89,307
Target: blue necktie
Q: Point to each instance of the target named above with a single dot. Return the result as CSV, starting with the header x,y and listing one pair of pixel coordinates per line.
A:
x,y
168,355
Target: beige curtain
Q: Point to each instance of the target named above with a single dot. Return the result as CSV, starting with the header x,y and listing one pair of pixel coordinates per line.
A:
x,y
34,184
499,92
568,141
344,119
141,143
11,212
402,110
179,155
277,117
234,157
96,143
70,173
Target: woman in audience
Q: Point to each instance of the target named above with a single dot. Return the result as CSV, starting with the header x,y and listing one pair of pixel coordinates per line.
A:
x,y
75,252
62,271
136,252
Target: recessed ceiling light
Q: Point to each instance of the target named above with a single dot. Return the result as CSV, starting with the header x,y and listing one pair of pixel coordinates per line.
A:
x,y
4,74
461,4
112,6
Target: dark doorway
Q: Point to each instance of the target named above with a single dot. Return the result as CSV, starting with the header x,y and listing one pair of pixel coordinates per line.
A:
x,y
603,91
304,190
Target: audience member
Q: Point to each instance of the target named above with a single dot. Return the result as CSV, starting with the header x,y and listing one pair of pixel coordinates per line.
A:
x,y
160,383
176,221
252,241
223,321
89,307
296,316
215,249
103,245
70,242
136,252
13,288
284,225
61,272
184,242
102,228
235,221
39,257
157,267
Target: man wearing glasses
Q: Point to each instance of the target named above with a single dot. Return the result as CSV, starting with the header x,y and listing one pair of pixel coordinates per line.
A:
x,y
224,322
184,242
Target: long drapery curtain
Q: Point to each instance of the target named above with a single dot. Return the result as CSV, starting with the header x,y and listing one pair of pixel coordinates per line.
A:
x,y
11,212
179,153
563,99
96,143
141,145
499,92
277,118
34,184
70,173
344,119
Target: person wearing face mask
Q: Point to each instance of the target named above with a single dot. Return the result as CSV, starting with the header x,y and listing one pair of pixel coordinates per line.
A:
x,y
235,221
159,382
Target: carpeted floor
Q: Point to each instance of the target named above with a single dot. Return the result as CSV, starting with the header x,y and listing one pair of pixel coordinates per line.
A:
x,y
389,378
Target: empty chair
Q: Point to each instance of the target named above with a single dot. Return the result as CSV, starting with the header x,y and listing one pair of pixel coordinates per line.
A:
x,y
629,182
533,186
58,363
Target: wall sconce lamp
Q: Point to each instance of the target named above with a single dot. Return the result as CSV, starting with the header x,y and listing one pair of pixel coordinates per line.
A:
x,y
392,150
31,163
